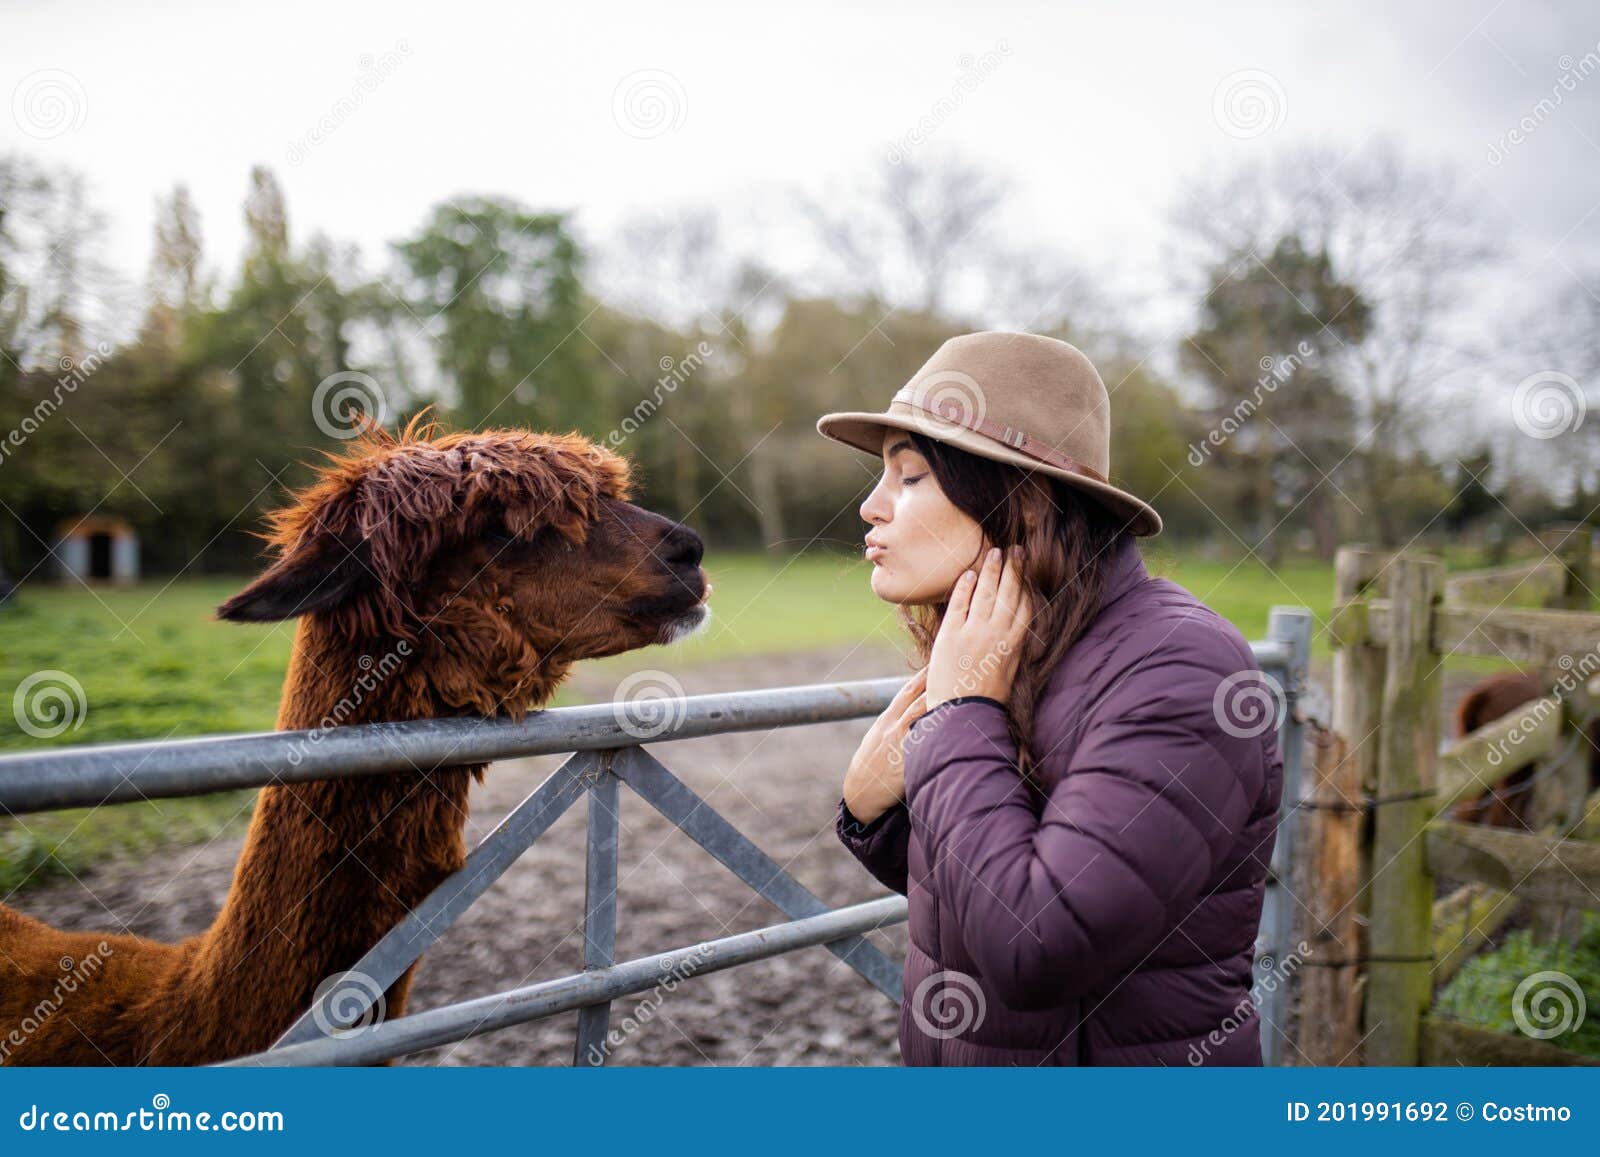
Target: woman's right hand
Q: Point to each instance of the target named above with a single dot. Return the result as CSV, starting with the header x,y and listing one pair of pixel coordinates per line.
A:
x,y
876,780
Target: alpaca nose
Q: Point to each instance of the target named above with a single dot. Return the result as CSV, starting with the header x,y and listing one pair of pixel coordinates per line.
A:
x,y
683,547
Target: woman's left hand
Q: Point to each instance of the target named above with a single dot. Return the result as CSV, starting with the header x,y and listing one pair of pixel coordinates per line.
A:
x,y
980,640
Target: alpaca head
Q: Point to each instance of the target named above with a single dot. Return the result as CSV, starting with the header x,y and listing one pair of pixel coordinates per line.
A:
x,y
501,557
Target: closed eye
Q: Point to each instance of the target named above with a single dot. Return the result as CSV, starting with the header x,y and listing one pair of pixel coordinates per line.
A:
x,y
503,544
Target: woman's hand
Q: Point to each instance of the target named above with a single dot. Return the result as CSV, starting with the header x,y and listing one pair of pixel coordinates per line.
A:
x,y
980,640
876,780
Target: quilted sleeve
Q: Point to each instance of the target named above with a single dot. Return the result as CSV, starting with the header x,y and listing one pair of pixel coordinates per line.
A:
x,y
1054,902
882,845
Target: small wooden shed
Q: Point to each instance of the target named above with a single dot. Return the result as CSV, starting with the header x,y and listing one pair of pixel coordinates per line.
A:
x,y
97,547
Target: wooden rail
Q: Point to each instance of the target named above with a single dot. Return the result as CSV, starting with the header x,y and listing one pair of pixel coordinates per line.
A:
x,y
1536,580
1536,867
1446,1042
1396,618
1478,761
1543,638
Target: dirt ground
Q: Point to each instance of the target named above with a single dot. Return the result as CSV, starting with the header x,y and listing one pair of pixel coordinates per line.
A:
x,y
779,787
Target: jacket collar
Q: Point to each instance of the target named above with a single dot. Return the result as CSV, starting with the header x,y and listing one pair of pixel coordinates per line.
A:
x,y
1127,570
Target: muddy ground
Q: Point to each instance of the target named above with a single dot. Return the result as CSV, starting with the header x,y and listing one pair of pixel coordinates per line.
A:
x,y
779,787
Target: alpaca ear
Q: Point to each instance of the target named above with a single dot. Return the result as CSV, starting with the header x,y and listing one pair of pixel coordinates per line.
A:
x,y
313,577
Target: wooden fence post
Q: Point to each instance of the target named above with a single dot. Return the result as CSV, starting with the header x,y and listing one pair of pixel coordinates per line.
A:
x,y
1559,789
1558,795
1357,664
1358,670
1329,1021
1569,542
1357,695
1399,973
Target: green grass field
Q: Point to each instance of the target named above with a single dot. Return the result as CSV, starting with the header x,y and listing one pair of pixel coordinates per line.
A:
x,y
153,663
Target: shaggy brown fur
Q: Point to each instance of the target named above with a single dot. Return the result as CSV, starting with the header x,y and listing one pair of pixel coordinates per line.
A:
x,y
469,570
1506,804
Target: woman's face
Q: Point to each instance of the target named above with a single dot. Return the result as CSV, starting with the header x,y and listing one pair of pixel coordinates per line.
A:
x,y
919,542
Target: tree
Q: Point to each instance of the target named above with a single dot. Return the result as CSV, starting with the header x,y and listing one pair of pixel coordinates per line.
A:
x,y
177,287
913,235
503,285
1409,240
1267,329
1545,383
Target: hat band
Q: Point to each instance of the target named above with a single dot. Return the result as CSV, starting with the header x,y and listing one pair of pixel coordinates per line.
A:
x,y
1019,440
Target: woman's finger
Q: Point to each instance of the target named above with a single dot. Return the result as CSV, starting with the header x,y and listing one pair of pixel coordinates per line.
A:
x,y
1022,613
988,583
916,707
960,599
1009,593
911,687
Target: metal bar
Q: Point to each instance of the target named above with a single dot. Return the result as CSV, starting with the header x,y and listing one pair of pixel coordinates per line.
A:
x,y
387,960
705,826
1290,629
121,772
1273,653
486,1014
599,912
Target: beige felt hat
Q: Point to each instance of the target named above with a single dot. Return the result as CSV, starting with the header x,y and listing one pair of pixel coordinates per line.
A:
x,y
1021,398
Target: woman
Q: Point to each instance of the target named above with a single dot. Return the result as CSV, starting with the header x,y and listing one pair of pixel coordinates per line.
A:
x,y
1079,789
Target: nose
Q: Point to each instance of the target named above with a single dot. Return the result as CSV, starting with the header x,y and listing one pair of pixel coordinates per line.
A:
x,y
682,547
877,506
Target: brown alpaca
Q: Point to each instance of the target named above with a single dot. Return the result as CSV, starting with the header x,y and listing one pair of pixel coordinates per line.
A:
x,y
1505,805
474,569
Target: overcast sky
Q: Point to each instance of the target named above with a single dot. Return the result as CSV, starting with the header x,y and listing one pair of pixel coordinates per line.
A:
x,y
1096,113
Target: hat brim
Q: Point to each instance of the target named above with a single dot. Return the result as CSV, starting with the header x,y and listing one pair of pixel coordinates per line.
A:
x,y
864,432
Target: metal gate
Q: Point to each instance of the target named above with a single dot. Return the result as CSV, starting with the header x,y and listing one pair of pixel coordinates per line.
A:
x,y
607,755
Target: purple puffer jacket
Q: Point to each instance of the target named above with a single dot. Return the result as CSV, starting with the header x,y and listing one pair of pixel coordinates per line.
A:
x,y
1109,917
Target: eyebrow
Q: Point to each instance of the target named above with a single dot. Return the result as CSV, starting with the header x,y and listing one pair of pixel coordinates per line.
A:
x,y
902,444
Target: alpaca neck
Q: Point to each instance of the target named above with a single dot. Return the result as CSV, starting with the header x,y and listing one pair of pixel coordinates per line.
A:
x,y
329,866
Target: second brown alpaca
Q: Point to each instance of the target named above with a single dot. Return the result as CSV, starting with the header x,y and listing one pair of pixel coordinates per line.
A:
x,y
1506,804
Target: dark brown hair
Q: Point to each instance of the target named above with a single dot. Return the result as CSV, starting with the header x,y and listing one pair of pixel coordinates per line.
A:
x,y
1067,541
